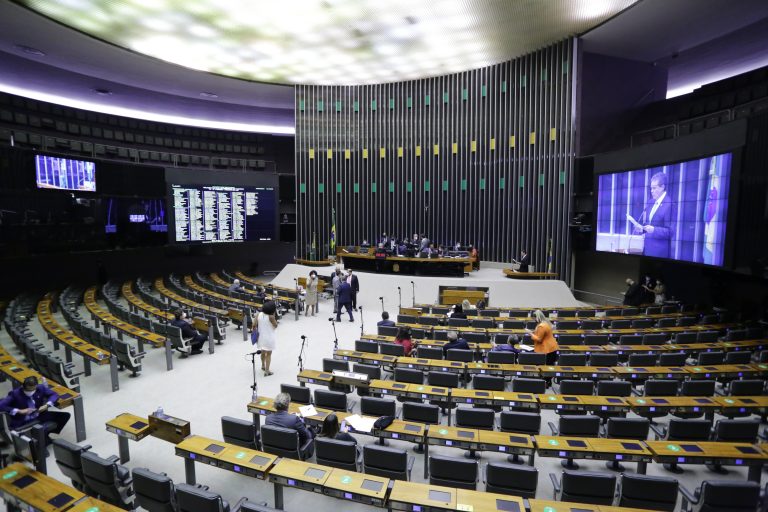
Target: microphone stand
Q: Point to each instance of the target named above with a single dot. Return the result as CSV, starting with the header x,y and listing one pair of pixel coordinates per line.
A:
x,y
399,299
254,386
301,353
382,303
362,321
335,336
298,298
413,294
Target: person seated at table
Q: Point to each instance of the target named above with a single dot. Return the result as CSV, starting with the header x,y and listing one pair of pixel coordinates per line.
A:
x,y
282,418
509,346
30,403
403,338
331,429
385,321
544,341
365,245
457,312
454,341
189,332
467,306
235,286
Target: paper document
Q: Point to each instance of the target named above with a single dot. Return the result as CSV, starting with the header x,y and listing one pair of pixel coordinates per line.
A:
x,y
307,410
360,423
525,348
634,222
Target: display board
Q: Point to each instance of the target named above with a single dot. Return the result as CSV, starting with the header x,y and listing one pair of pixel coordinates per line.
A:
x,y
65,173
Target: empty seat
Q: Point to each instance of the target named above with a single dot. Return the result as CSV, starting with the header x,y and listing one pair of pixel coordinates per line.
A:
x,y
511,479
391,349
592,324
585,487
685,337
575,426
533,358
630,339
370,406
706,337
572,360
453,472
298,394
409,375
642,323
625,428
372,371
648,492
523,385
429,352
155,492
107,479
569,339
621,324
329,365
710,358
577,387
483,323
642,360
67,457
595,339
686,321
331,400
746,387
191,498
736,335
240,432
371,347
456,354
596,359
423,413
488,382
718,496
387,462
619,388
672,359
336,453
738,357
567,324
654,339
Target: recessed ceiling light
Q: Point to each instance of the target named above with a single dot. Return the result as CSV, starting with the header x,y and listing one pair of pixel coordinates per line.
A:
x,y
102,92
210,95
29,50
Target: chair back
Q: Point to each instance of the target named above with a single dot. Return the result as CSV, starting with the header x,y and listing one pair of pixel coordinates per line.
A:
x,y
587,487
501,357
239,432
429,352
155,492
68,458
424,413
531,358
577,387
280,441
572,360
333,400
386,330
736,335
483,323
460,354
458,322
660,387
738,357
468,417
672,359
688,429
107,479
737,431
596,359
520,422
579,426
371,347
707,336
731,495
191,498
372,371
336,453
298,394
698,388
628,428
523,385
595,339
409,375
391,349
488,382
707,358
614,388
621,324
643,360
371,406
685,337
443,379
630,339
453,472
513,479
334,364
489,312
654,339
747,387
648,492
385,462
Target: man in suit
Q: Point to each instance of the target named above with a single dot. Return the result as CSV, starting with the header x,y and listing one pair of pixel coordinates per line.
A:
x,y
385,321
335,282
525,260
188,331
659,226
345,300
454,341
30,403
355,284
282,418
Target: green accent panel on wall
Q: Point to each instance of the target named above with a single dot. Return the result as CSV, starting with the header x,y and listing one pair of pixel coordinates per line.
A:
x,y
409,186
427,100
426,186
463,184
502,183
445,185
521,181
320,105
541,179
391,186
483,90
302,188
338,106
562,177
356,188
320,188
356,106
373,187
482,183
301,105
373,104
338,188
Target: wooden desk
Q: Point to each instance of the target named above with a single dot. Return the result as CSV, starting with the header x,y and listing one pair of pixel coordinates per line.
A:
x,y
643,373
429,498
726,454
137,303
379,387
403,430
563,447
175,297
299,474
514,274
427,392
742,404
17,372
263,406
724,371
494,398
427,365
363,488
667,404
627,450
128,426
506,442
219,454
577,372
315,377
26,488
363,357
453,267
560,402
488,501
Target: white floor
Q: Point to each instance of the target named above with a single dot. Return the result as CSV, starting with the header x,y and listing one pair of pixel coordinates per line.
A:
x,y
205,387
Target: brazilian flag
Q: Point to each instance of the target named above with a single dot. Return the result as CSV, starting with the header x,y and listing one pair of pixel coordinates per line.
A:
x,y
332,244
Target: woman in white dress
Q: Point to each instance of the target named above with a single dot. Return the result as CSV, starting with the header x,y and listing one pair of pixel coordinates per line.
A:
x,y
266,323
311,299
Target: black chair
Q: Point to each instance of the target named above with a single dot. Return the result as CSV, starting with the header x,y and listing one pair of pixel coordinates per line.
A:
x,y
513,324
642,360
683,430
391,349
585,313
665,310
686,321
483,323
531,358
520,422
336,453
458,322
618,388
666,322
191,498
734,431
625,428
457,354
370,406
629,311
332,400
596,359
657,387
501,357
298,394
738,357
488,382
523,385
592,324
710,358
108,480
475,337
429,320
648,492
371,347
443,380
621,324
654,339
155,492
453,472
409,375
423,413
334,364
475,418
704,388
284,442
68,458
240,432
372,371
707,337
642,323
584,487
721,495
672,359
736,335
746,387
567,324
575,426
653,310
512,479
570,339
387,462
127,357
250,506
429,352
685,337
577,387
595,339
493,313
572,360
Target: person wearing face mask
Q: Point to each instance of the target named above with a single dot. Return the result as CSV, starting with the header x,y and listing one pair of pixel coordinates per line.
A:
x,y
31,402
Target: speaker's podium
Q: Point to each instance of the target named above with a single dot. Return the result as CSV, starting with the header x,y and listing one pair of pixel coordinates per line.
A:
x,y
620,242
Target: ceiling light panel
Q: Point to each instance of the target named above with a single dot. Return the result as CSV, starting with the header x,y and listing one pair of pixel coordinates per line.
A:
x,y
281,42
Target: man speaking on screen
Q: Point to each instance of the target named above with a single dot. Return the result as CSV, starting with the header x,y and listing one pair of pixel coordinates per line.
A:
x,y
657,224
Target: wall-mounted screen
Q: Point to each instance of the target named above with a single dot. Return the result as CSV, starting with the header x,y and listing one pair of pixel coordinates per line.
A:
x,y
676,211
65,173
222,213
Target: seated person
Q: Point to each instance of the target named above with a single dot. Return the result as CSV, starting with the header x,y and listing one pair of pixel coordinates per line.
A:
x,y
189,332
282,418
385,321
365,245
455,342
331,429
403,338
467,306
261,292
509,346
235,286
30,403
457,312
483,303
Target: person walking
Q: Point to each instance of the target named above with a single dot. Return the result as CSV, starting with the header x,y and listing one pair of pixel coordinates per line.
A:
x,y
266,323
311,298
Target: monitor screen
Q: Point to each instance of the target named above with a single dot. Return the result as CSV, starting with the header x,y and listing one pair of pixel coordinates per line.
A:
x,y
676,211
65,174
223,213
24,447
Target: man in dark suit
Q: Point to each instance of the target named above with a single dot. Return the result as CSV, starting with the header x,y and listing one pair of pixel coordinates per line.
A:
x,y
282,418
658,218
454,341
525,260
355,284
188,331
30,403
345,300
385,321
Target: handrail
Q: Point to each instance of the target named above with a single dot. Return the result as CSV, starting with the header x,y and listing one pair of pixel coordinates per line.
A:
x,y
607,299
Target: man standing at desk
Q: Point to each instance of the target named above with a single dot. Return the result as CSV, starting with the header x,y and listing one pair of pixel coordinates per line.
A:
x,y
525,260
30,403
658,227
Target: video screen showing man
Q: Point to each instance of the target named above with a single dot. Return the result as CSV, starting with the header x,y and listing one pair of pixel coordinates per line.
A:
x,y
658,227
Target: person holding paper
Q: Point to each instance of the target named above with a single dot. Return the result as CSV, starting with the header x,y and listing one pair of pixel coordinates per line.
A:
x,y
282,418
658,219
544,341
332,430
